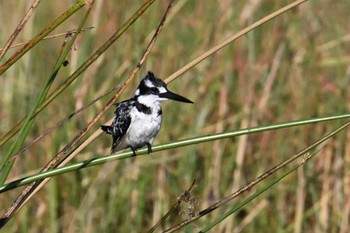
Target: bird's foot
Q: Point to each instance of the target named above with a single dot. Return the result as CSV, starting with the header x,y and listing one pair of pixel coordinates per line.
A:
x,y
133,151
149,148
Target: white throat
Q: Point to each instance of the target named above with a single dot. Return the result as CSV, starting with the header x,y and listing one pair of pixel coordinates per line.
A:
x,y
149,100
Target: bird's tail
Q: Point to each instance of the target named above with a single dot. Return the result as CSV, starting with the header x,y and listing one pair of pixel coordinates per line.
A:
x,y
107,129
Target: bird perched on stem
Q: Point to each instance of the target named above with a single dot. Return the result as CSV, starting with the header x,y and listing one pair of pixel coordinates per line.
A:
x,y
137,120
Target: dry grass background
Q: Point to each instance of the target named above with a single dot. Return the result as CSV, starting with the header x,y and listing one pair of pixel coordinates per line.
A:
x,y
294,67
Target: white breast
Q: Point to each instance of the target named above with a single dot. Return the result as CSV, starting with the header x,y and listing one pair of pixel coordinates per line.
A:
x,y
143,127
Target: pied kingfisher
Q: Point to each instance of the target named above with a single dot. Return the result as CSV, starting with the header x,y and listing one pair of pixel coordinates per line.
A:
x,y
137,120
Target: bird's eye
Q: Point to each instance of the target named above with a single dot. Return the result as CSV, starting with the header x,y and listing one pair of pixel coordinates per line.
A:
x,y
154,90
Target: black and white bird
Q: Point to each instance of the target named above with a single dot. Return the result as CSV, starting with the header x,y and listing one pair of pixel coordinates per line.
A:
x,y
137,120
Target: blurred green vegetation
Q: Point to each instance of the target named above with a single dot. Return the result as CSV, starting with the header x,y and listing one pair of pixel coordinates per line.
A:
x,y
294,67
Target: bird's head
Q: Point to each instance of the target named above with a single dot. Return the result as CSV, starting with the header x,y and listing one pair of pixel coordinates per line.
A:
x,y
155,89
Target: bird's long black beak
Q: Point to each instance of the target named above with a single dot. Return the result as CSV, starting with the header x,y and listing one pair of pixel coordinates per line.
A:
x,y
172,96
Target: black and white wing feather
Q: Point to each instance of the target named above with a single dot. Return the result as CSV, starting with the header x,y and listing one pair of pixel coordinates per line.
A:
x,y
120,123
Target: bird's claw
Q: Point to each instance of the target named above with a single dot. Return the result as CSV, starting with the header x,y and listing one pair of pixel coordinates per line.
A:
x,y
149,148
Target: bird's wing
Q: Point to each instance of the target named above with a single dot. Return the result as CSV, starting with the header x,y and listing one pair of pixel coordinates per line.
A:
x,y
121,121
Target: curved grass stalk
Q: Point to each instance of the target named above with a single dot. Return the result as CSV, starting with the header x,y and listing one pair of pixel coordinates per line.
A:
x,y
172,145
